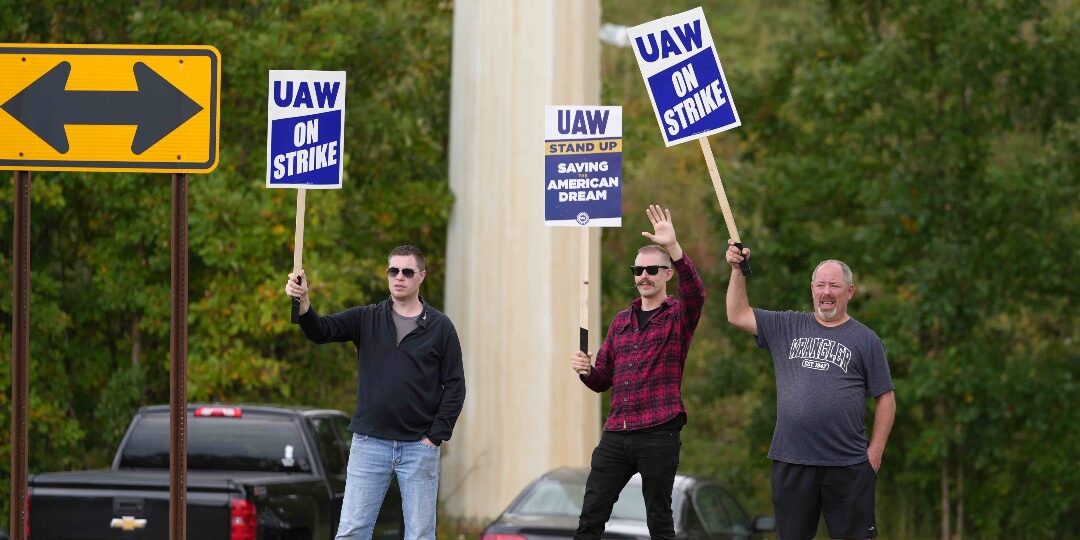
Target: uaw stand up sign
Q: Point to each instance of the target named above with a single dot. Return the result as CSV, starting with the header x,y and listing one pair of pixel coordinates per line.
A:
x,y
583,166
583,179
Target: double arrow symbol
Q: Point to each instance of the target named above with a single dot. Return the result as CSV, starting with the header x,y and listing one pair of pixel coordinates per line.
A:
x,y
157,107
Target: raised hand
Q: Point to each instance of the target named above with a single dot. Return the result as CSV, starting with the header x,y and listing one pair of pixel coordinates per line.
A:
x,y
663,230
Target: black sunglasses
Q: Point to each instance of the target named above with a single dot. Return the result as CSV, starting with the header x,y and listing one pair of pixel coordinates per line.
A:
x,y
651,269
407,272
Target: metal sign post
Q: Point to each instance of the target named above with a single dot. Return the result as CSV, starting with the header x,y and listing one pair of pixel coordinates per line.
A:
x,y
178,343
20,354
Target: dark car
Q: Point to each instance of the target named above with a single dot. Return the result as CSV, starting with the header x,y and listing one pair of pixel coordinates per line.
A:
x,y
549,508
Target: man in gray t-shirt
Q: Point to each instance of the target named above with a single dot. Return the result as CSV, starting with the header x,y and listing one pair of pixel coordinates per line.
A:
x,y
827,364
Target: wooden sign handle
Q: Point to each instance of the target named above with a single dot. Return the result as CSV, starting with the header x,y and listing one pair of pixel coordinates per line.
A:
x,y
583,311
298,247
718,185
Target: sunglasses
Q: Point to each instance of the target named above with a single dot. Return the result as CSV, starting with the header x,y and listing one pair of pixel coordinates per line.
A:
x,y
651,269
393,271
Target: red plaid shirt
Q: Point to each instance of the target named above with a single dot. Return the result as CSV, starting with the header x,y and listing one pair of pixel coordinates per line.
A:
x,y
644,366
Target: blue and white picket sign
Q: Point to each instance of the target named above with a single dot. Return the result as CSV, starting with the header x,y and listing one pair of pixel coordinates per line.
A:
x,y
682,72
582,166
305,129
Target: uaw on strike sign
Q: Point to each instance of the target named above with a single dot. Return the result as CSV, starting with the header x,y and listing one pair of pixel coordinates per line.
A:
x,y
305,129
583,166
684,77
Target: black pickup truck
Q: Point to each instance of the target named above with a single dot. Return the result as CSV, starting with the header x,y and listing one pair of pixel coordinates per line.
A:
x,y
254,473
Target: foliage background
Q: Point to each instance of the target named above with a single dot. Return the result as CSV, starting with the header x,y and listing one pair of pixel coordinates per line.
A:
x,y
934,145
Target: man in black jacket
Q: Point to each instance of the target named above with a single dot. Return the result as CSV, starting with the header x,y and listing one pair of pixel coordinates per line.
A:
x,y
410,393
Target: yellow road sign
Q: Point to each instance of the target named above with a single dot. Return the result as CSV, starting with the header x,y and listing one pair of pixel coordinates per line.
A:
x,y
127,108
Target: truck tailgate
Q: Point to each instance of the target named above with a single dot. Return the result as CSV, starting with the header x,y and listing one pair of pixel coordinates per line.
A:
x,y
125,505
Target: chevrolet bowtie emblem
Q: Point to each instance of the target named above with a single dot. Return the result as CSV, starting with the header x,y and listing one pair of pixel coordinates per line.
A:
x,y
127,523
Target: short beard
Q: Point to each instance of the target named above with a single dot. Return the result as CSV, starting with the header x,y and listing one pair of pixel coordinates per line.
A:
x,y
827,315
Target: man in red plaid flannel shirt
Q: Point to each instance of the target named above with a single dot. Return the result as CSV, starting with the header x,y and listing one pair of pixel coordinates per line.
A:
x,y
642,361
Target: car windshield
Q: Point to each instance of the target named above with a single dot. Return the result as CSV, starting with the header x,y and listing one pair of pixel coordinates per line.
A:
x,y
251,443
563,498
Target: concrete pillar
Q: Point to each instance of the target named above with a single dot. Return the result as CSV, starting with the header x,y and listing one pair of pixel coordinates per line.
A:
x,y
512,283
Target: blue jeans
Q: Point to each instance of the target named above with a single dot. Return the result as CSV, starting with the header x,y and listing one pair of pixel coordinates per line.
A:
x,y
372,461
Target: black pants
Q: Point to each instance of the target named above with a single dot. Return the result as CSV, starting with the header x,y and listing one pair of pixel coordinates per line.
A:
x,y
617,457
845,495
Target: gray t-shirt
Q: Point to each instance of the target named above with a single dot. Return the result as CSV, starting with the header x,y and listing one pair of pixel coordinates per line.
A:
x,y
823,378
404,324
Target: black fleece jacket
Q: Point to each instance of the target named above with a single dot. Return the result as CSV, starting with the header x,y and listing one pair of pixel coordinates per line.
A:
x,y
405,392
